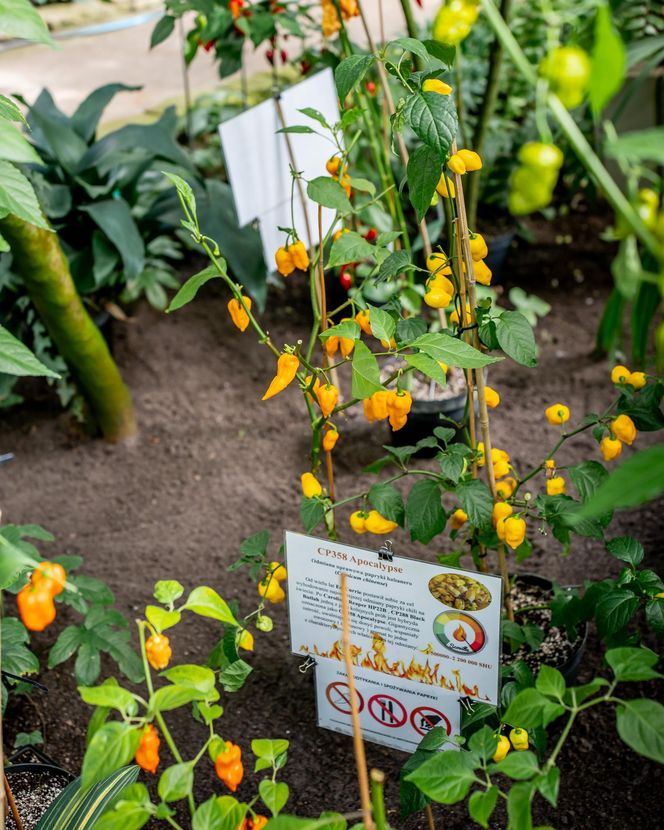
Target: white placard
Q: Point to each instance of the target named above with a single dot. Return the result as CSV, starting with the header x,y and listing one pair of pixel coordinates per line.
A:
x,y
258,162
393,712
416,620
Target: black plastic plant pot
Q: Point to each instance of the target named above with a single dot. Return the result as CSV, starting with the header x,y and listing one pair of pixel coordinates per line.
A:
x,y
569,668
424,417
34,785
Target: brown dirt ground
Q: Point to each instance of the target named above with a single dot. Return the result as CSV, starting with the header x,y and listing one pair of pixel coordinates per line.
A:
x,y
213,464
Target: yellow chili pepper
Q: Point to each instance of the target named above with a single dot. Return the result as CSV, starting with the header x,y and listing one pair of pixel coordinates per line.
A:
x,y
478,247
610,448
519,739
362,319
502,749
637,379
501,510
456,164
438,263
556,486
458,519
556,414
239,316
375,523
482,272
327,396
358,521
299,255
434,85
287,366
445,187
623,429
310,485
330,438
620,374
284,260
492,397
515,531
506,487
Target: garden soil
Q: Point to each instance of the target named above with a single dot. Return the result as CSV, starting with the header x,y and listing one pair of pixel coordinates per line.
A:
x,y
214,464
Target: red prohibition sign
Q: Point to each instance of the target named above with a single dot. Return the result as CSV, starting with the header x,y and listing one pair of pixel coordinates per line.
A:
x,y
425,718
338,695
388,711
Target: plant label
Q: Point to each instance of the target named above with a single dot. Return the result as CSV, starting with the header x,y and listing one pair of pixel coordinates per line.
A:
x,y
393,712
418,621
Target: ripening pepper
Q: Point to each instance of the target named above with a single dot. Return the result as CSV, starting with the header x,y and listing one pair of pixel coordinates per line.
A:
x,y
246,640
515,531
228,766
147,754
35,606
362,319
327,396
277,570
254,822
478,247
456,164
567,69
367,404
331,345
533,181
332,165
610,448
506,487
454,21
379,405
482,272
346,344
557,413
399,402
375,523
445,186
502,749
501,510
330,438
287,366
436,298
435,85
623,429
501,468
299,255
51,575
310,486
158,650
358,521
458,519
637,379
270,589
519,739
438,263
471,160
556,486
285,264
550,464
239,316
620,374
454,316
492,397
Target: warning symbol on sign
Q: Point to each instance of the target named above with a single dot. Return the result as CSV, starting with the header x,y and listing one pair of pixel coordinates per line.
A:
x,y
387,710
338,695
425,718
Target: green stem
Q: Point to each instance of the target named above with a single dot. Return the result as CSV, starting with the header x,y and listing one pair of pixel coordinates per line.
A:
x,y
411,24
561,740
576,138
378,799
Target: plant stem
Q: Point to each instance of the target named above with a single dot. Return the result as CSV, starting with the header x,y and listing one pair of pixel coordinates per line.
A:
x,y
487,109
358,744
378,799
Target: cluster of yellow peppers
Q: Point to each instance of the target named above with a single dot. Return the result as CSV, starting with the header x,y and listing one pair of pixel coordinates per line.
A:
x,y
518,740
331,23
333,167
290,257
270,587
393,405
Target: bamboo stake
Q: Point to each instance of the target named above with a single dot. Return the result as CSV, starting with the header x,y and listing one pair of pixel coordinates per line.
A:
x,y
323,324
462,230
12,804
431,825
358,743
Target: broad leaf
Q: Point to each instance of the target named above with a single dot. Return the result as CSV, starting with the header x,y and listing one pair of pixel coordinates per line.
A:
x,y
424,511
633,664
349,247
206,602
443,347
112,746
433,119
325,191
366,373
516,338
638,480
16,359
17,196
115,218
350,72
608,61
641,726
18,18
423,173
191,287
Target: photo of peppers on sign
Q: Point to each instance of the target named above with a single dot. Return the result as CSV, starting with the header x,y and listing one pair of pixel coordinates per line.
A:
x,y
414,620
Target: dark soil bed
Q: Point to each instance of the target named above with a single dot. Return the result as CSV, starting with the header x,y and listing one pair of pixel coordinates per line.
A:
x,y
214,464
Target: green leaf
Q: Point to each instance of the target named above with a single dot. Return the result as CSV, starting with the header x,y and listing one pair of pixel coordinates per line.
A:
x,y
387,500
638,146
17,359
166,591
481,805
112,697
383,325
550,682
115,219
518,765
423,173
366,372
444,52
325,191
515,337
443,347
409,329
475,498
350,72
192,676
17,196
394,264
160,618
206,602
608,61
172,697
641,726
452,462
19,19
484,742
627,549
424,511
614,610
162,30
638,480
410,44
14,146
346,328
445,778
269,749
586,477
518,807
633,664
655,615
349,247
9,110
548,785
531,709
176,782
89,111
274,795
427,366
233,678
112,746
312,513
433,119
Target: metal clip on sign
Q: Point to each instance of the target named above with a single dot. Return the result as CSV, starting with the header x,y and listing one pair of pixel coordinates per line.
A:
x,y
308,663
385,552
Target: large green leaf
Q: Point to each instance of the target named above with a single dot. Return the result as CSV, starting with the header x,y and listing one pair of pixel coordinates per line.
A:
x,y
349,247
366,374
17,359
191,287
115,219
423,173
206,602
640,479
18,18
638,146
90,110
387,501
55,134
112,746
445,778
443,347
327,192
516,338
475,498
641,726
350,72
633,664
424,511
14,146
608,61
433,119
17,196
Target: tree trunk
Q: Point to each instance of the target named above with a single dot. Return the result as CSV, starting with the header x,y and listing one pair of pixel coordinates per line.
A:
x,y
45,272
